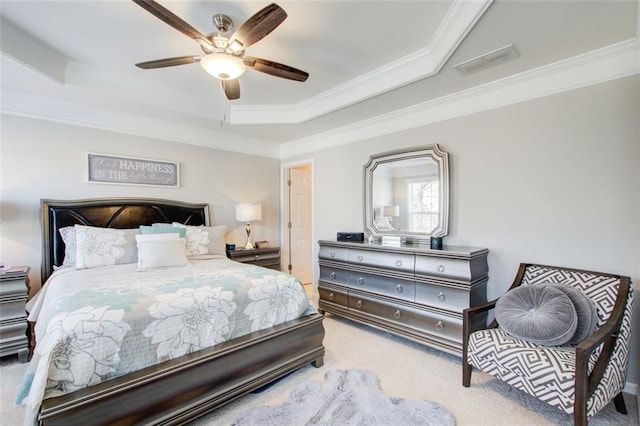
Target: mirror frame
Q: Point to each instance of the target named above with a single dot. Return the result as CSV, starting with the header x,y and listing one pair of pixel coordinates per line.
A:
x,y
432,152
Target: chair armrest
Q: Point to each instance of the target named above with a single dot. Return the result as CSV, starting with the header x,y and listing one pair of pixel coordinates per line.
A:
x,y
606,335
469,313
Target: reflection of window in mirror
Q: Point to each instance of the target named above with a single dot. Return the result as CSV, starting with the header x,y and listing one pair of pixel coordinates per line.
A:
x,y
423,203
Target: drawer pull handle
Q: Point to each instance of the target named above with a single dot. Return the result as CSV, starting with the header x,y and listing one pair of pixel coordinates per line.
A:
x,y
439,326
360,258
257,257
333,275
361,281
359,304
332,254
396,314
441,268
399,288
441,296
330,296
398,263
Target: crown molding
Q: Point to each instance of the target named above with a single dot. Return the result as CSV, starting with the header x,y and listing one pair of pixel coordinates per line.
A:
x,y
23,104
456,24
609,63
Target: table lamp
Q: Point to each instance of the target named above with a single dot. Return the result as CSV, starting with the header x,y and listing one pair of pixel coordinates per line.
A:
x,y
247,212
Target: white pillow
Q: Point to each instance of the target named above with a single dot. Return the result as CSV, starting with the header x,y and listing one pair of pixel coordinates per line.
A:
x,y
216,236
68,234
157,237
154,253
97,247
197,239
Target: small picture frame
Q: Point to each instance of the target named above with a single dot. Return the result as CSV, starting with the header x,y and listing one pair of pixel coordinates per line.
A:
x,y
262,244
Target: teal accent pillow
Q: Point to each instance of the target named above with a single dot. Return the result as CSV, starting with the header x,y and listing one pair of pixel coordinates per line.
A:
x,y
182,232
541,314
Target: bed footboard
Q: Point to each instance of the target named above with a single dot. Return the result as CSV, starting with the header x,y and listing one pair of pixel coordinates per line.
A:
x,y
180,390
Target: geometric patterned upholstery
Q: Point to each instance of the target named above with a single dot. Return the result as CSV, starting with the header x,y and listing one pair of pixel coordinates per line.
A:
x,y
548,372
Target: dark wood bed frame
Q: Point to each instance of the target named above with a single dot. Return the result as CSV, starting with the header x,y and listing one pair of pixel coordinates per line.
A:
x,y
188,387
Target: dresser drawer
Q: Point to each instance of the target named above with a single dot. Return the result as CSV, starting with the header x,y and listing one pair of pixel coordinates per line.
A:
x,y
334,275
396,261
339,254
442,296
392,287
442,267
424,321
333,296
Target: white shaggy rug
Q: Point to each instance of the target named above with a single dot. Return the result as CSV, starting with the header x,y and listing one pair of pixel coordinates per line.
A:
x,y
346,397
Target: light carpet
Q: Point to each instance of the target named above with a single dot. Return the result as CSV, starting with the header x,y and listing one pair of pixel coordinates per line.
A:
x,y
346,397
406,370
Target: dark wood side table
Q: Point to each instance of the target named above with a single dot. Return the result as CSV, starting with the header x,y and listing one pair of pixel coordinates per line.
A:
x,y
266,257
14,290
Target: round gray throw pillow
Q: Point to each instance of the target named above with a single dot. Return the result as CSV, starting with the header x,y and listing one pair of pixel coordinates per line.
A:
x,y
585,309
538,313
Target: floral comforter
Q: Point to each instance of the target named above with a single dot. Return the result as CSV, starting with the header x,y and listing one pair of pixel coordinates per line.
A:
x,y
96,324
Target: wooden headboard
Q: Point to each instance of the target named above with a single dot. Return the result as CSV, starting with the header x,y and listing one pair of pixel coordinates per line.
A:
x,y
121,213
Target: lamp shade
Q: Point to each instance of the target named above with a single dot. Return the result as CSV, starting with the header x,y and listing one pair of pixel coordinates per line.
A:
x,y
391,211
247,212
223,65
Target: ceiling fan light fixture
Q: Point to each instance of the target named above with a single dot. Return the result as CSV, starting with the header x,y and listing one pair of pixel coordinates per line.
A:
x,y
223,66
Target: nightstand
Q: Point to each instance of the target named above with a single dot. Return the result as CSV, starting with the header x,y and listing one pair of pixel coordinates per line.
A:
x,y
267,257
14,289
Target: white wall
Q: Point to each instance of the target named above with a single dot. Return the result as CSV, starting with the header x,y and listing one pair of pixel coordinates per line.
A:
x,y
42,159
553,181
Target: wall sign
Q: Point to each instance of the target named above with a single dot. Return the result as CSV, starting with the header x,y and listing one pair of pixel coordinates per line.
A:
x,y
132,171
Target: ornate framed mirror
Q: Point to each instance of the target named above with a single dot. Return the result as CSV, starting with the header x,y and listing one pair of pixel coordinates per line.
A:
x,y
406,194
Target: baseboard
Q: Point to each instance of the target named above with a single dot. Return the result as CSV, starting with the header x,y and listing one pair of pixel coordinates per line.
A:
x,y
631,388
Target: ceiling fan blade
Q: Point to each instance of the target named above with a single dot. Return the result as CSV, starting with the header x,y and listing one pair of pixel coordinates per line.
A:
x,y
167,16
231,89
275,69
168,62
260,24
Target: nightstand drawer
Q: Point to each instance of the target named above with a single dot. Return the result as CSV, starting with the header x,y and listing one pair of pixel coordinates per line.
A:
x,y
266,257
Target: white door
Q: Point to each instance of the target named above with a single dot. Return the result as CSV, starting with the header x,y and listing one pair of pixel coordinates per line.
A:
x,y
300,223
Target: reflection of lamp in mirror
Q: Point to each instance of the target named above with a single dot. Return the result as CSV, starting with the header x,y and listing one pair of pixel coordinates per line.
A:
x,y
247,212
391,212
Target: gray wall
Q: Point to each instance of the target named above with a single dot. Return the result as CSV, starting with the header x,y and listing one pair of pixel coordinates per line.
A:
x,y
48,160
554,181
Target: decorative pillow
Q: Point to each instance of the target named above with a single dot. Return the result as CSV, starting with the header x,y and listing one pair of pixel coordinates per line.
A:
x,y
216,239
539,314
197,239
154,253
585,309
97,247
68,234
182,232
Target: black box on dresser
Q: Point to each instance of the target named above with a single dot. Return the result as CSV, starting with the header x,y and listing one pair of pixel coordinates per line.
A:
x,y
410,290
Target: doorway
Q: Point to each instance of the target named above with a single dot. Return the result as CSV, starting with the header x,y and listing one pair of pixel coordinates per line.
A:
x,y
297,226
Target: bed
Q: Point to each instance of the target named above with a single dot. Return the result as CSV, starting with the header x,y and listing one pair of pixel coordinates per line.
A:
x,y
185,384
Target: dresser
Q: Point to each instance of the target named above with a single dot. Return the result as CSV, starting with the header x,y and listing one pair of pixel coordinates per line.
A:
x,y
268,257
410,290
14,288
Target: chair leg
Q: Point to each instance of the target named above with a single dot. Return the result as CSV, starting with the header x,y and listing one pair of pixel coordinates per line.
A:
x,y
466,374
620,405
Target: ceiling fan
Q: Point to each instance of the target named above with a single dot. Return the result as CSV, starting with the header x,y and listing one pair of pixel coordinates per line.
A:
x,y
224,57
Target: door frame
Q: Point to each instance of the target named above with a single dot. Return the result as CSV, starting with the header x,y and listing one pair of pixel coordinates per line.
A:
x,y
285,249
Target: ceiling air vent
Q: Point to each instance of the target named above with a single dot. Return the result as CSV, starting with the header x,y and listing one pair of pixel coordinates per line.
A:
x,y
495,57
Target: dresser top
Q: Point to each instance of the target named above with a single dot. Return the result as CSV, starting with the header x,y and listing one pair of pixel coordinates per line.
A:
x,y
447,251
